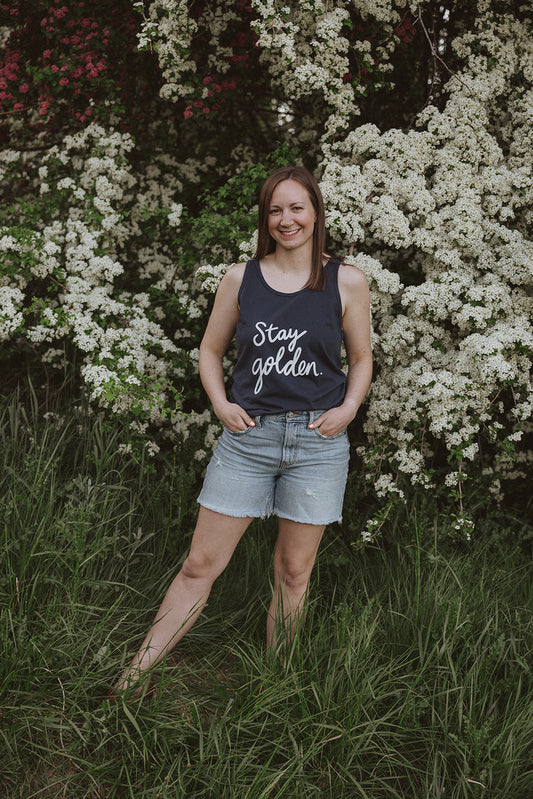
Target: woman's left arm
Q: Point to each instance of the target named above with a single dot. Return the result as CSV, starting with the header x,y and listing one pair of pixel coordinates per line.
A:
x,y
355,298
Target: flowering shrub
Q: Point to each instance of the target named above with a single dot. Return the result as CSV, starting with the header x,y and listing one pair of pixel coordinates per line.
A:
x,y
69,262
453,200
123,188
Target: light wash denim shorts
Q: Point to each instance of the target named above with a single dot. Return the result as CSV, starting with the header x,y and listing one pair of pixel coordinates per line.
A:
x,y
281,467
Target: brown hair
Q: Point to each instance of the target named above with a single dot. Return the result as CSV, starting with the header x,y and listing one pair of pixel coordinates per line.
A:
x,y
265,242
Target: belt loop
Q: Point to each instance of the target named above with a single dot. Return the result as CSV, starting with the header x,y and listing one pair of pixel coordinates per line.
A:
x,y
257,421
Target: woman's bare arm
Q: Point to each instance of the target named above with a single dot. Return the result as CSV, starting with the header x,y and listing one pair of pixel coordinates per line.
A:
x,y
355,296
217,337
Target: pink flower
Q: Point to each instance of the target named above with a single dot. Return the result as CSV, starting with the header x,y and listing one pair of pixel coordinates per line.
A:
x,y
63,82
23,88
188,113
205,110
54,68
18,107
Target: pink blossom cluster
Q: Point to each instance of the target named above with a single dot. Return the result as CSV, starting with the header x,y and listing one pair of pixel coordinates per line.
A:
x,y
56,61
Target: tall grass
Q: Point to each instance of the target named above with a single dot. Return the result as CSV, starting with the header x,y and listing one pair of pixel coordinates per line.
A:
x,y
411,677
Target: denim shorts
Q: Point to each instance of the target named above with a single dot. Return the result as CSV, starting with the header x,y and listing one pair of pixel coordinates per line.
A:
x,y
279,466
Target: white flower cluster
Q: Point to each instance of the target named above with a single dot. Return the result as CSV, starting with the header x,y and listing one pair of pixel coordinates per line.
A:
x,y
381,10
306,53
212,275
169,29
306,50
11,317
453,201
127,358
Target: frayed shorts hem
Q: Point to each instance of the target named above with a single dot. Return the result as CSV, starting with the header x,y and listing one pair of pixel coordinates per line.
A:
x,y
232,513
319,523
261,515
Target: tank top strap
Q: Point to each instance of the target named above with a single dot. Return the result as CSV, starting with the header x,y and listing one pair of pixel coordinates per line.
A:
x,y
332,281
332,266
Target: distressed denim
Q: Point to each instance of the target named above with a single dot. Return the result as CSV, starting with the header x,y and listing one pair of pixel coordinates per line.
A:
x,y
279,466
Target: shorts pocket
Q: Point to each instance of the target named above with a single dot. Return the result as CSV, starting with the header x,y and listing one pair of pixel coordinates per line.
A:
x,y
238,433
329,438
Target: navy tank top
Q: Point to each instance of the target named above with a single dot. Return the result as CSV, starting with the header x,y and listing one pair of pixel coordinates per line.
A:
x,y
288,346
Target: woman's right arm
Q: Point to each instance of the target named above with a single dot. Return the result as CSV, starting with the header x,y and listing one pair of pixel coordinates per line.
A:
x,y
217,337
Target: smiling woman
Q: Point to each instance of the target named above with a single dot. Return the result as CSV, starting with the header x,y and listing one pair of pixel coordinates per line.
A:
x,y
284,449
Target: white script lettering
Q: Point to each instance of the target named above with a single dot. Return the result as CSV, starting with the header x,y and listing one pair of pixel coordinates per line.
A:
x,y
272,334
293,366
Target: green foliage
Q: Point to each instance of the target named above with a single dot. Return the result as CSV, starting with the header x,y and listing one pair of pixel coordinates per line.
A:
x,y
412,676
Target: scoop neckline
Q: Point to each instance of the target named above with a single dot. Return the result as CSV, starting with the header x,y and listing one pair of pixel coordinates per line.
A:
x,y
276,291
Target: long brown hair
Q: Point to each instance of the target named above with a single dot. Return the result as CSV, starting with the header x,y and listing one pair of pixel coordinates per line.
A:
x,y
265,242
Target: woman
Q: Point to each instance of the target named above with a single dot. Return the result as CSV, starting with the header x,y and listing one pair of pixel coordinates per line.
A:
x,y
284,448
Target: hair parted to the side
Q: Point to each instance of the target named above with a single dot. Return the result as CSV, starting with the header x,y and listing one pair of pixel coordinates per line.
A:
x,y
265,242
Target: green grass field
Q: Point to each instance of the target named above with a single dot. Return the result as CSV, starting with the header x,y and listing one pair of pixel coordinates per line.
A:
x,y
411,678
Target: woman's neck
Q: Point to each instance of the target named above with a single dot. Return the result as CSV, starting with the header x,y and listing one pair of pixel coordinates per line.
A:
x,y
290,262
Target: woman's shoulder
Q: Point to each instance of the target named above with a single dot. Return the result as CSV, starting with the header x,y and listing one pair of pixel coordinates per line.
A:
x,y
351,277
236,271
233,276
353,288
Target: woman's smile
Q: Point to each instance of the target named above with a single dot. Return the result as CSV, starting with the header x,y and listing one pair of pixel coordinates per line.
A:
x,y
289,233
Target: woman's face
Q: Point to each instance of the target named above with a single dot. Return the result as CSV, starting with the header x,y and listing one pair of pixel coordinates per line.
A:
x,y
291,217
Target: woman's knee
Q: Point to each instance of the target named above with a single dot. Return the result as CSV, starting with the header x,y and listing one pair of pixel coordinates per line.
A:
x,y
200,566
294,576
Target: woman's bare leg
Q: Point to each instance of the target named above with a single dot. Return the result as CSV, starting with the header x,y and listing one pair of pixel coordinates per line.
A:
x,y
294,557
214,540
